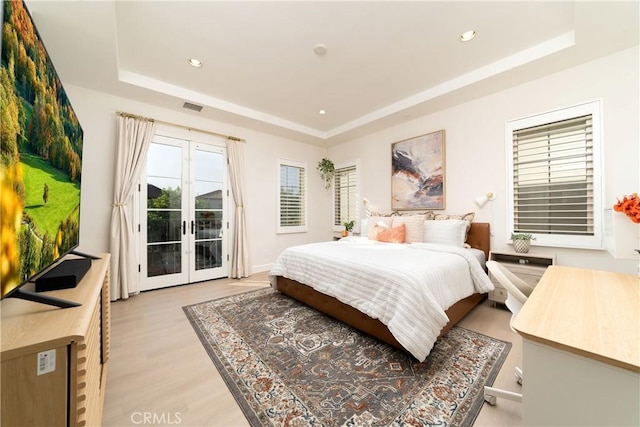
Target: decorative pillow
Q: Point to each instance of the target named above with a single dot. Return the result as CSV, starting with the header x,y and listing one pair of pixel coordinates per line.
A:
x,y
427,214
390,235
466,217
445,232
380,221
414,227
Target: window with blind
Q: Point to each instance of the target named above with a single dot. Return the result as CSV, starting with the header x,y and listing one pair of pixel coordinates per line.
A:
x,y
345,195
555,181
292,197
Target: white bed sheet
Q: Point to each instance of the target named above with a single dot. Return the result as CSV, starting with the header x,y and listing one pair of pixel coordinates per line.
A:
x,y
407,287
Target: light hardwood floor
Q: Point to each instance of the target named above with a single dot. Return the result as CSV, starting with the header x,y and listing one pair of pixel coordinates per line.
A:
x,y
160,374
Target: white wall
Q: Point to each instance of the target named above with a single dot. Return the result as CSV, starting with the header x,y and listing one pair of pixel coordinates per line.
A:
x,y
475,146
97,114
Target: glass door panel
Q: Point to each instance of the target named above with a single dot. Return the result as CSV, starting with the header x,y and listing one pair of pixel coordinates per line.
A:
x,y
208,239
164,244
163,216
209,194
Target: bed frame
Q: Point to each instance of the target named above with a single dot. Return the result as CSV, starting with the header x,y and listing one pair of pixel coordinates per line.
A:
x,y
479,238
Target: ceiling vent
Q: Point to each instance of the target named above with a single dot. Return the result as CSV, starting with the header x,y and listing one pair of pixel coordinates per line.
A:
x,y
190,106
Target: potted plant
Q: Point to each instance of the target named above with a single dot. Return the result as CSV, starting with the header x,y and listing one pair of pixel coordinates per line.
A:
x,y
348,228
521,242
327,170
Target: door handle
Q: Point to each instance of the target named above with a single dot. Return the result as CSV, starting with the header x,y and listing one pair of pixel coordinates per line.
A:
x,y
193,225
184,227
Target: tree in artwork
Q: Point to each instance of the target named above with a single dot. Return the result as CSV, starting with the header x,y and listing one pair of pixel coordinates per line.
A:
x,y
45,194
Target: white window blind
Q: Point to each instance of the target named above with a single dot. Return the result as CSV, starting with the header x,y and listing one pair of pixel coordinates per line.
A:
x,y
292,203
555,193
345,194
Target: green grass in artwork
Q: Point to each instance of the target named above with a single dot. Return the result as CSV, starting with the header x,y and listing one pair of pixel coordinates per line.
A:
x,y
63,199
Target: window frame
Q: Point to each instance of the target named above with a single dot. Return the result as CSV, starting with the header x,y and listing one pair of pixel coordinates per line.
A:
x,y
346,165
302,228
592,108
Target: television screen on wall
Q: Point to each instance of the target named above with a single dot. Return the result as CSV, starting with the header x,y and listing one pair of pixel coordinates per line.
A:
x,y
41,155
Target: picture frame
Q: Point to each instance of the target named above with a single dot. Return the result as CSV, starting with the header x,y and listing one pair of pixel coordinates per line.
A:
x,y
418,172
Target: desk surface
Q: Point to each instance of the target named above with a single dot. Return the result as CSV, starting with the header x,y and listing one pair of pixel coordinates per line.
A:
x,y
595,314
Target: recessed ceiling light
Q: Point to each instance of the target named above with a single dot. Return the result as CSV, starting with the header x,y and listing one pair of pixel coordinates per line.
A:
x,y
467,35
320,49
322,112
195,63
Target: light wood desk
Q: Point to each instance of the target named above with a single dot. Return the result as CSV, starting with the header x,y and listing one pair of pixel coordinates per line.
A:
x,y
581,349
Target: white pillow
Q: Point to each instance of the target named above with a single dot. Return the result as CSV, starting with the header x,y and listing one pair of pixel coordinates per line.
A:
x,y
445,232
364,226
414,227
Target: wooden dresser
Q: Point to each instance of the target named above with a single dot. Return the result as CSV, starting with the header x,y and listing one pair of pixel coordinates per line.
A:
x,y
54,361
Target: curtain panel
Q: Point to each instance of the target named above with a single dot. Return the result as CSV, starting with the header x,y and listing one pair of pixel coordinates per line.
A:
x,y
240,266
134,136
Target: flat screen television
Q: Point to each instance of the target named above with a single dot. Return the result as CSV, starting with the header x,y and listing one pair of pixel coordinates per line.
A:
x,y
41,160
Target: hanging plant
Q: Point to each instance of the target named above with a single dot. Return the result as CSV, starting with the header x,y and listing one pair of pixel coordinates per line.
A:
x,y
327,170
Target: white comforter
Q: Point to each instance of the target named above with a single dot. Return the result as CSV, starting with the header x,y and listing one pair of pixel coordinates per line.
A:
x,y
407,287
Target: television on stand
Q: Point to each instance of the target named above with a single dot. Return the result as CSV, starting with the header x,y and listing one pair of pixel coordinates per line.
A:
x,y
41,166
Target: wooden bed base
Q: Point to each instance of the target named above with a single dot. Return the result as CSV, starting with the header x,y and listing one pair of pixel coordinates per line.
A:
x,y
355,318
479,237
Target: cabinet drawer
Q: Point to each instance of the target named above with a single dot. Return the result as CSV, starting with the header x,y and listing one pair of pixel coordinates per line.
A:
x,y
531,275
530,279
525,269
498,294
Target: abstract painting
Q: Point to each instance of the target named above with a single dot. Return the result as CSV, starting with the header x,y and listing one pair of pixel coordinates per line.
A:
x,y
417,172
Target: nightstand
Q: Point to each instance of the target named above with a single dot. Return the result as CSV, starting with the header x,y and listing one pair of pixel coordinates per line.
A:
x,y
528,267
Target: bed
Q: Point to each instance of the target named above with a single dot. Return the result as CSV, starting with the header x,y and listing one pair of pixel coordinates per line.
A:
x,y
401,331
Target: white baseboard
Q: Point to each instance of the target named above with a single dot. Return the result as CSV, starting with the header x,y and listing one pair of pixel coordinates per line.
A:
x,y
261,268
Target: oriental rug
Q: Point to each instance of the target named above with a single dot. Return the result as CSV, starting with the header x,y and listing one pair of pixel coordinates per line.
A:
x,y
287,364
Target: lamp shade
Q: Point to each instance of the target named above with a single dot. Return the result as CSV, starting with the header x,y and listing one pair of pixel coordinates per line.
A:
x,y
482,200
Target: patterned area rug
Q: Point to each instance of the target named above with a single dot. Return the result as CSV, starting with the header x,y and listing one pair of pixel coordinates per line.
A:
x,y
289,365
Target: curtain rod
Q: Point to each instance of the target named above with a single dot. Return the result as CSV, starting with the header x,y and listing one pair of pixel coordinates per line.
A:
x,y
123,114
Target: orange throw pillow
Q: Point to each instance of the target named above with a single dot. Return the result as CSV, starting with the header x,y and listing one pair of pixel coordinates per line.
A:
x,y
392,235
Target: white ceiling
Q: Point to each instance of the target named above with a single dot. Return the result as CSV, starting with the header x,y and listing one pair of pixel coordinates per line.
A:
x,y
387,62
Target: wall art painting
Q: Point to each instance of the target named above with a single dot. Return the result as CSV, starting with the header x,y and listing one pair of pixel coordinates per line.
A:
x,y
417,172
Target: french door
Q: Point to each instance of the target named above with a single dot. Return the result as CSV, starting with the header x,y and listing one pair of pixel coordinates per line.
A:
x,y
183,221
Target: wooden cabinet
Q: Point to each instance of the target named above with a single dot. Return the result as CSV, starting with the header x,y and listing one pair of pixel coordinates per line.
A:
x,y
53,360
528,267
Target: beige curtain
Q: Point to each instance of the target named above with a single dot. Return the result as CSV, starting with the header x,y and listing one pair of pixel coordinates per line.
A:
x,y
133,140
240,266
